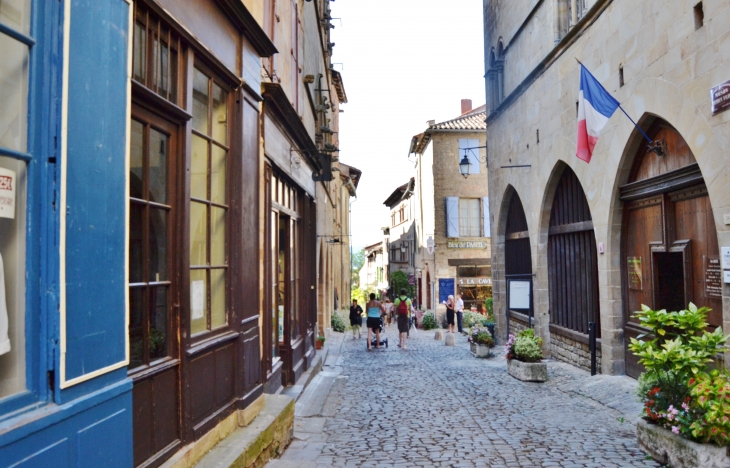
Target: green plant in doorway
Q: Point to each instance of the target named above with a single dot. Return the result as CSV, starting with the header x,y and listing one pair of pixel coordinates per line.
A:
x,y
338,323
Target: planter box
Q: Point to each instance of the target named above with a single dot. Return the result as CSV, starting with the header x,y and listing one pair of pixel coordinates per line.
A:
x,y
480,350
527,371
668,448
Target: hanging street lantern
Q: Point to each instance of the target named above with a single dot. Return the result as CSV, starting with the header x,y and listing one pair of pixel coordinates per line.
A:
x,y
464,166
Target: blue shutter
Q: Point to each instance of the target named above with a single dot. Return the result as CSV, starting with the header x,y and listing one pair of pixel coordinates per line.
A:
x,y
452,217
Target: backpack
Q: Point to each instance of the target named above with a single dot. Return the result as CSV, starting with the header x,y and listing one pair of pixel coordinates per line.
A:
x,y
403,306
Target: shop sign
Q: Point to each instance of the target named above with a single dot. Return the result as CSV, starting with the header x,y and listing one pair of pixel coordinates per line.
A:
x,y
467,244
713,277
476,281
430,245
634,269
8,183
720,97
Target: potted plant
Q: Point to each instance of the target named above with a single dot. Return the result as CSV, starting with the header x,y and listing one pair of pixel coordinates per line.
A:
x,y
686,419
480,342
320,342
524,357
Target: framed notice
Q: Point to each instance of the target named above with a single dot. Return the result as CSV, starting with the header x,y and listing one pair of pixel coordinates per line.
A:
x,y
634,269
713,277
519,294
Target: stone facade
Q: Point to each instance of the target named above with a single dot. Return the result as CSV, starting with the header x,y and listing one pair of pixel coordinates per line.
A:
x,y
574,352
659,60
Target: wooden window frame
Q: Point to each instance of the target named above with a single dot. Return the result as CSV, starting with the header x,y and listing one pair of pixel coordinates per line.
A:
x,y
157,28
213,78
152,121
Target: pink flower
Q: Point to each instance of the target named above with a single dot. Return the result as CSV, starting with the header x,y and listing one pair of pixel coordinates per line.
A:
x,y
675,429
685,407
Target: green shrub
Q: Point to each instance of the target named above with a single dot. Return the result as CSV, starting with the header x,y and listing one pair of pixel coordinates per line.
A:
x,y
428,321
481,336
527,349
710,393
680,349
488,306
338,322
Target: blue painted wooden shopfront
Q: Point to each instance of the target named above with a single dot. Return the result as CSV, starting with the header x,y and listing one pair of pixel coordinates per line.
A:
x,y
74,408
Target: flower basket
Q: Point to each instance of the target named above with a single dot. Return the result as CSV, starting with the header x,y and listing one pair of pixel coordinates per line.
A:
x,y
674,450
527,371
480,350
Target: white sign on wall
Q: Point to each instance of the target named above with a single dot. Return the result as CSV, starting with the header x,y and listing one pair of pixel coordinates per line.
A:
x,y
430,245
8,181
726,258
519,294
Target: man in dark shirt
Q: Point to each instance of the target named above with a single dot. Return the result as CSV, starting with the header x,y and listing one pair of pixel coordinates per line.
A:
x,y
355,318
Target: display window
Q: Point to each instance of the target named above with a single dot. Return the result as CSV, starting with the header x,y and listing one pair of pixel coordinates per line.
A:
x,y
15,50
474,285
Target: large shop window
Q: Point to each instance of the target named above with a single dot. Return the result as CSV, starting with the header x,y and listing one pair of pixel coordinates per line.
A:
x,y
208,205
474,285
14,65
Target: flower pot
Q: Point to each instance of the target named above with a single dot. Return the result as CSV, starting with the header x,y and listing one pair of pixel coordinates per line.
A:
x,y
319,344
672,449
480,350
527,371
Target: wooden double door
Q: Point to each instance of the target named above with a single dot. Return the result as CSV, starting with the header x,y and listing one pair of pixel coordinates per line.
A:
x,y
670,253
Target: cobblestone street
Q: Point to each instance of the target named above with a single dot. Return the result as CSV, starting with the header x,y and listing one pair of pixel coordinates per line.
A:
x,y
434,405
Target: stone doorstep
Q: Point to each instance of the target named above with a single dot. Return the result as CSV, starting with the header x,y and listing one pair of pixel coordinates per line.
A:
x,y
252,446
669,448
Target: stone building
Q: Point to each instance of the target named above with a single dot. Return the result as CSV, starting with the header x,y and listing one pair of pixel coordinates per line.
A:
x,y
374,271
401,233
635,225
452,211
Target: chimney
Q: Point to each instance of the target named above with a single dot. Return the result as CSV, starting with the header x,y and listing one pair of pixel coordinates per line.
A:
x,y
431,123
465,106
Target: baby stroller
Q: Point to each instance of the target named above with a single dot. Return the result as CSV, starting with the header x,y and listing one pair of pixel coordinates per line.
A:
x,y
383,341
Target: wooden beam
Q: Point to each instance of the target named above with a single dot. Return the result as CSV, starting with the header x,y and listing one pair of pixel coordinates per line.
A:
x,y
572,227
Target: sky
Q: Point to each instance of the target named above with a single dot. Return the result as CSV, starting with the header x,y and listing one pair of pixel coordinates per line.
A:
x,y
403,62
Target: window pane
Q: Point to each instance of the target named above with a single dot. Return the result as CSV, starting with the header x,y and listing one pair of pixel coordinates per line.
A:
x,y
198,301
220,114
217,298
140,52
158,244
158,324
13,94
136,155
217,236
12,276
163,69
136,242
198,225
218,176
199,168
16,14
173,75
158,166
273,283
200,101
136,330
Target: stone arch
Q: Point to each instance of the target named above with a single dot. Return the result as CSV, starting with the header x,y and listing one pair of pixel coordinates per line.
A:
x,y
653,99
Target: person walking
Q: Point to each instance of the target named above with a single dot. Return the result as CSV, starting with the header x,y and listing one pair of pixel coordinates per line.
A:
x,y
403,310
374,308
450,313
388,308
355,318
459,313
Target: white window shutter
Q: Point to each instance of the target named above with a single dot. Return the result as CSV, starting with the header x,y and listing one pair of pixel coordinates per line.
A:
x,y
485,216
452,216
471,154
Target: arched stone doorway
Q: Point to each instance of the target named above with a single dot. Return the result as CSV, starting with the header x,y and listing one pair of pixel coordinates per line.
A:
x,y
572,272
669,247
517,250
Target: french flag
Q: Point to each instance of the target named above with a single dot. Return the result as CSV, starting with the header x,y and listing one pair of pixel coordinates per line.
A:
x,y
595,107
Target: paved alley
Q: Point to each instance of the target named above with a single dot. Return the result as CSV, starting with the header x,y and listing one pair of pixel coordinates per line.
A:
x,y
438,406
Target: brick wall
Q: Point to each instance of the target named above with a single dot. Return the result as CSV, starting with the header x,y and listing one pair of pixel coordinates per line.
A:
x,y
564,349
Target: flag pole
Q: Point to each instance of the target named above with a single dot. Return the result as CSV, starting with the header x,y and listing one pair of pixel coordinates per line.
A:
x,y
626,114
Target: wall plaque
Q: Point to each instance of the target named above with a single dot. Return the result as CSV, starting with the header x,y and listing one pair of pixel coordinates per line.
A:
x,y
634,269
713,277
467,244
720,97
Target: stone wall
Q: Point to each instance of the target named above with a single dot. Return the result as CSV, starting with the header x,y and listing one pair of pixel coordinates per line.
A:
x,y
574,352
